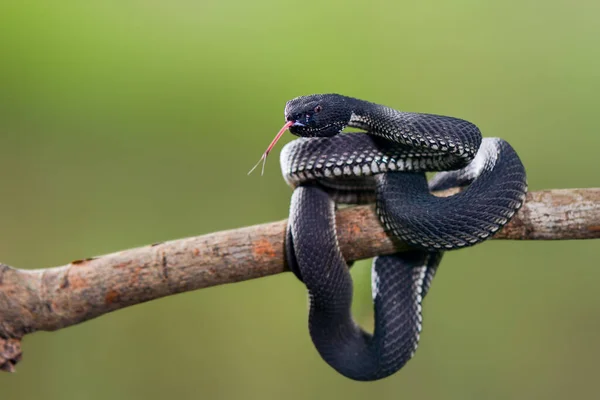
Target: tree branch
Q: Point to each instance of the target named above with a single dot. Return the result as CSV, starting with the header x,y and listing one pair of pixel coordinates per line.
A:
x,y
54,298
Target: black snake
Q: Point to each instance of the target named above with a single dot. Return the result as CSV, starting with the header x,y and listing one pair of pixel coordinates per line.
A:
x,y
386,165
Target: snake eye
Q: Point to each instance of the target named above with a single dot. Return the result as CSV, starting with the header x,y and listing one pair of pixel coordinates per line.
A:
x,y
318,108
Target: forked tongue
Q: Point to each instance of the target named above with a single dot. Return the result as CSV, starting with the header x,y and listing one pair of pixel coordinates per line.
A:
x,y
268,150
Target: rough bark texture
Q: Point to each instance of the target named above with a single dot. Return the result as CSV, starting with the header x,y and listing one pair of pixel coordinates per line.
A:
x,y
53,298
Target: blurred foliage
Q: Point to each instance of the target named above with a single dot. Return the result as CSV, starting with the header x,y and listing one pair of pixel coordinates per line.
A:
x,y
129,122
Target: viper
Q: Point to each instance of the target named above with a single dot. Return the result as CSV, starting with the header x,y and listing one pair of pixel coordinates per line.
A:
x,y
386,164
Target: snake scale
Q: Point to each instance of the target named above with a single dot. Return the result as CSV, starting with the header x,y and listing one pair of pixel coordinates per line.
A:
x,y
386,165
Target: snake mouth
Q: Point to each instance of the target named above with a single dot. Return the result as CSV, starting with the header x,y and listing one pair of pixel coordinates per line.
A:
x,y
327,130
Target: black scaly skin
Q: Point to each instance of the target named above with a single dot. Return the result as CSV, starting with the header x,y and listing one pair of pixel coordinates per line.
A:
x,y
387,166
399,284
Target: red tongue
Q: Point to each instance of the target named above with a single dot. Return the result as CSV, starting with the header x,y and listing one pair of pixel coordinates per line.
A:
x,y
268,150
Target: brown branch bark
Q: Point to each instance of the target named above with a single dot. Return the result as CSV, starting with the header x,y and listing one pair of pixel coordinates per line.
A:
x,y
54,298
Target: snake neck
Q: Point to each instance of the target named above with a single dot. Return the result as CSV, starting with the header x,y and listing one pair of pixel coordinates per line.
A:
x,y
424,131
368,116
377,119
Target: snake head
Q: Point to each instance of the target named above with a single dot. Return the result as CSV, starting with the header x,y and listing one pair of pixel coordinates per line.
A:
x,y
318,115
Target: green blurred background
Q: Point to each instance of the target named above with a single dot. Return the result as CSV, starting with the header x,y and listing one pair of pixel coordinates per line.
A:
x,y
124,123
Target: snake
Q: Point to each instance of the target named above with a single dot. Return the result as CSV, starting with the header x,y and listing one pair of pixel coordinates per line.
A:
x,y
385,162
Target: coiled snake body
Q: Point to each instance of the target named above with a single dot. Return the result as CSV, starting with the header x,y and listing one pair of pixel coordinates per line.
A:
x,y
387,165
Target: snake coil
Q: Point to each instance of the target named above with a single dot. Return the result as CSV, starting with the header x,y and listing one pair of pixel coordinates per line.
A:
x,y
386,165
